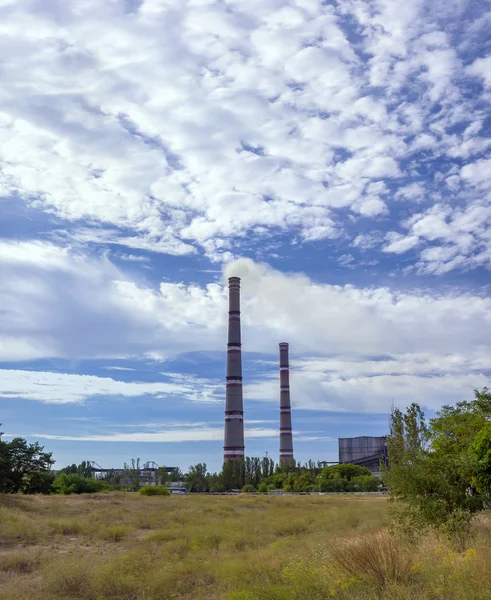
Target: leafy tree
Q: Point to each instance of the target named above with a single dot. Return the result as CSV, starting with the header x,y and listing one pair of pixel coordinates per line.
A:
x,y
303,482
334,484
18,460
344,471
161,476
440,472
39,482
267,467
215,483
84,469
481,450
5,481
196,478
131,475
233,474
176,475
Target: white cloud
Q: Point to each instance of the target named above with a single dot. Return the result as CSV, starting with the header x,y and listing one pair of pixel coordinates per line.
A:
x,y
129,318
482,68
350,323
348,384
478,173
412,191
463,234
399,244
196,434
239,118
64,388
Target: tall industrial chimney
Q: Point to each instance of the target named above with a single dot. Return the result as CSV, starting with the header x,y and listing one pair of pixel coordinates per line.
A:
x,y
234,410
286,440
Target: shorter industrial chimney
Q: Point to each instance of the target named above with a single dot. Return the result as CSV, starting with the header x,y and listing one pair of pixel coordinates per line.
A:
x,y
286,439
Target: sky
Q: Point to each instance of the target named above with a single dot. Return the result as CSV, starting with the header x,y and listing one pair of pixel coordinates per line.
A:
x,y
335,155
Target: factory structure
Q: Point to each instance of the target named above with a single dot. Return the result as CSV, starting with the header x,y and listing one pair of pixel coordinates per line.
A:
x,y
286,436
365,451
234,410
233,447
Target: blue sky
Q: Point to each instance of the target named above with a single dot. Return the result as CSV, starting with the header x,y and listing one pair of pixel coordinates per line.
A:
x,y
334,155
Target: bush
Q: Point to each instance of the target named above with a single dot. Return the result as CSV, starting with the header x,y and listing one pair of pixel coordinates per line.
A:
x,y
248,488
365,483
76,484
154,490
262,487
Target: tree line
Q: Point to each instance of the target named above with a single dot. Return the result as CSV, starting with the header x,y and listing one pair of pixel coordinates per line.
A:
x,y
28,469
438,472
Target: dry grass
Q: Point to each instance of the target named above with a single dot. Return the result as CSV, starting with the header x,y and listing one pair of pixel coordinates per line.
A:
x,y
380,557
129,547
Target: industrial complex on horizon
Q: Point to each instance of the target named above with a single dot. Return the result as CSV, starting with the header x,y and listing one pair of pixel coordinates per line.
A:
x,y
365,451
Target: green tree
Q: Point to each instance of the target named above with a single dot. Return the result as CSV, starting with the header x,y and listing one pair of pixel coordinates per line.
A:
x,y
436,470
233,474
20,459
84,469
364,483
481,450
344,471
5,481
131,475
176,475
196,478
39,482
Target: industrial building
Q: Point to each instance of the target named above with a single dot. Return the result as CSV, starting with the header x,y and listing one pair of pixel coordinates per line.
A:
x,y
366,451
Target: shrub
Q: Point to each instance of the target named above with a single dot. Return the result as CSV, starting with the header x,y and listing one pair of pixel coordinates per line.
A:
x,y
116,533
154,490
377,557
365,483
71,483
248,488
69,578
20,562
263,487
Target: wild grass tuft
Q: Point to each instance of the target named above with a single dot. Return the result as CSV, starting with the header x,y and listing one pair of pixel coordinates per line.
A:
x,y
378,557
21,561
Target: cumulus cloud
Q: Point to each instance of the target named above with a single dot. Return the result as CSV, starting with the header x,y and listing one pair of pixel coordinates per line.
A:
x,y
429,345
356,384
241,117
48,310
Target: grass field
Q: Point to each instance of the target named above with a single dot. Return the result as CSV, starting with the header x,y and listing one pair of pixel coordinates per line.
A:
x,y
128,547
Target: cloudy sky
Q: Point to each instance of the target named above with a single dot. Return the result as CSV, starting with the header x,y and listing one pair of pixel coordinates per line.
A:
x,y
333,154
